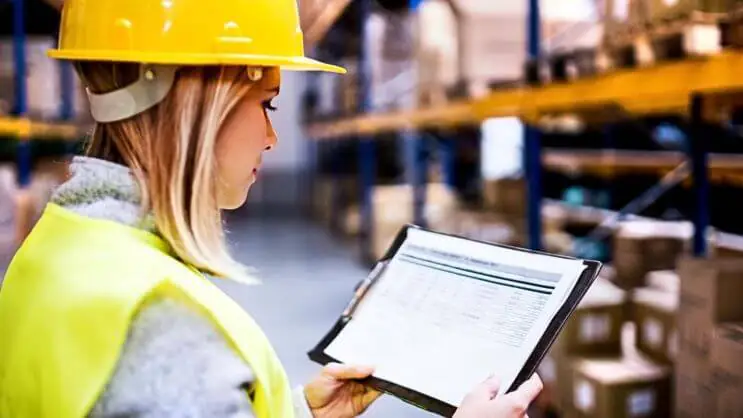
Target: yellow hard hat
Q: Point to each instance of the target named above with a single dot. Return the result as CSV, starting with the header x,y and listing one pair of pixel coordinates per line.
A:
x,y
263,33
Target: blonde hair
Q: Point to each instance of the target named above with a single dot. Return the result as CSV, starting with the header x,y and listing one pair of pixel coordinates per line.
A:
x,y
170,149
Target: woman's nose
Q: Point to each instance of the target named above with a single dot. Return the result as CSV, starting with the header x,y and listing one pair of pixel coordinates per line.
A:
x,y
271,137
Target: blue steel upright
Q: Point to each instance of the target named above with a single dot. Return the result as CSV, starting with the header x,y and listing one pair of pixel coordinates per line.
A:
x,y
698,155
416,164
416,170
21,92
532,143
367,151
447,151
67,82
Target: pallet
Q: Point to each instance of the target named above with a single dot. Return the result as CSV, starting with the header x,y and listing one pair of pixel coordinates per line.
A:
x,y
673,38
564,66
731,28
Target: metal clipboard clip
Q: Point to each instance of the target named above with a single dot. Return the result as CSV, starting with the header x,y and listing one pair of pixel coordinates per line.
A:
x,y
364,287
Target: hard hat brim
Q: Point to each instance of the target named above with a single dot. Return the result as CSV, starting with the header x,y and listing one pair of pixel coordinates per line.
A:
x,y
285,63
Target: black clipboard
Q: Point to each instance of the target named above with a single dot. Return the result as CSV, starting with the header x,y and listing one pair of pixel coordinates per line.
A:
x,y
425,402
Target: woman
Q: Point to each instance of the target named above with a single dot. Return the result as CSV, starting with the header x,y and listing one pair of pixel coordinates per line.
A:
x,y
105,310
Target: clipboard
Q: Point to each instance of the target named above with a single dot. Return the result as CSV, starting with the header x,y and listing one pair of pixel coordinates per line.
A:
x,y
425,402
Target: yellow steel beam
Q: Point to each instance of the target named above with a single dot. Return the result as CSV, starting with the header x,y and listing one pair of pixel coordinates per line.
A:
x,y
27,129
663,88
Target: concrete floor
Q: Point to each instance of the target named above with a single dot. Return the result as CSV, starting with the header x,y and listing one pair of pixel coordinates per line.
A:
x,y
308,279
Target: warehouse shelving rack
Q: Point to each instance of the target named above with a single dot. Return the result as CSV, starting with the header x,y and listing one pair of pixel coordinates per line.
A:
x,y
20,127
694,88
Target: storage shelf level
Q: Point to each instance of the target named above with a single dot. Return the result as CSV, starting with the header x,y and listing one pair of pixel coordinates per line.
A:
x,y
661,89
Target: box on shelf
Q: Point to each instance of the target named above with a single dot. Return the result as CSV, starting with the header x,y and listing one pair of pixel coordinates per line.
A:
x,y
710,290
43,81
663,10
413,49
644,246
484,226
727,369
506,196
621,15
8,215
595,327
655,323
626,387
710,294
392,207
666,280
556,367
556,374
727,245
333,191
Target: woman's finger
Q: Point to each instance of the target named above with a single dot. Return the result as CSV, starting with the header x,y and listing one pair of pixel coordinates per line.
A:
x,y
527,392
370,396
345,371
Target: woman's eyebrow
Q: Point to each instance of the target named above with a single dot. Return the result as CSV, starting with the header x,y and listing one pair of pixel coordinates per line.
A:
x,y
275,90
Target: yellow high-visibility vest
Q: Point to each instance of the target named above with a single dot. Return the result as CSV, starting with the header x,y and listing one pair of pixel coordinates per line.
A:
x,y
67,303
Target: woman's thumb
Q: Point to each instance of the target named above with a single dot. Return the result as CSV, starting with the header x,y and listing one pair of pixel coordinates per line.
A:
x,y
489,388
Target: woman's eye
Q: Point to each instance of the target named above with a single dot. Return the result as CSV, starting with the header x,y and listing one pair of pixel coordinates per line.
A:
x,y
269,106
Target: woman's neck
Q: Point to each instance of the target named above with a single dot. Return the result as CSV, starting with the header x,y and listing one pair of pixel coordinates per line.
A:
x,y
103,190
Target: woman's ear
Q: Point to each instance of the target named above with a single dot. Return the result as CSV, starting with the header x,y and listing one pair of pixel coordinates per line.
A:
x,y
57,4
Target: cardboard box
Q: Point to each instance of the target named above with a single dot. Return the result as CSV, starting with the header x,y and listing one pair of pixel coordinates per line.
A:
x,y
414,55
556,373
8,215
43,81
644,246
655,318
661,10
727,369
506,196
710,290
710,294
620,388
332,196
621,15
726,350
484,226
392,208
666,280
727,245
693,391
595,327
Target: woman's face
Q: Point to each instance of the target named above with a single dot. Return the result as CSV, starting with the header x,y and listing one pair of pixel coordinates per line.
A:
x,y
245,135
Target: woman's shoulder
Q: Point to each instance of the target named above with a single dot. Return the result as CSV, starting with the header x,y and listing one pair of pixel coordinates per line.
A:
x,y
175,362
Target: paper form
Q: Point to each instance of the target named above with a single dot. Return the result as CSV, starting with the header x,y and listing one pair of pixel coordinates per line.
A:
x,y
448,312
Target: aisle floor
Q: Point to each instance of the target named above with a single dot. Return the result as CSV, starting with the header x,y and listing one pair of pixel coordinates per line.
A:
x,y
308,279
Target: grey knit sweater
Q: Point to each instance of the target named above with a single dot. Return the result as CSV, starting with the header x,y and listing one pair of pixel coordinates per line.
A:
x,y
174,363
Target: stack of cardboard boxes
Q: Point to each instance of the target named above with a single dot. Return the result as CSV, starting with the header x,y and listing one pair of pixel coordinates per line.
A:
x,y
392,208
643,246
654,312
617,355
708,367
594,331
726,352
331,198
502,218
43,81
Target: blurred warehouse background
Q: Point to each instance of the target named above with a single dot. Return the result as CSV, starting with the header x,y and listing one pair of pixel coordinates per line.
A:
x,y
606,129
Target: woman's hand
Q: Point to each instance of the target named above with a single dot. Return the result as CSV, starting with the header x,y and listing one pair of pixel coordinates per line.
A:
x,y
482,402
334,394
